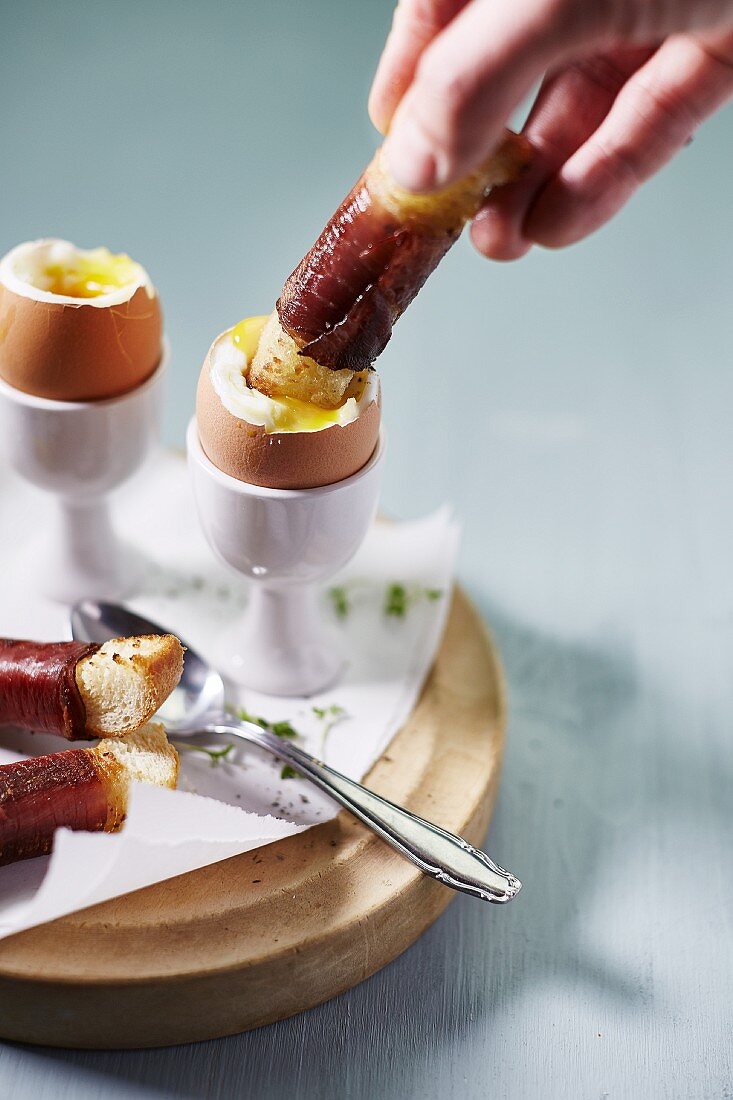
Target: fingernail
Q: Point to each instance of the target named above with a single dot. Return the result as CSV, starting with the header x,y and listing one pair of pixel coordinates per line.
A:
x,y
410,159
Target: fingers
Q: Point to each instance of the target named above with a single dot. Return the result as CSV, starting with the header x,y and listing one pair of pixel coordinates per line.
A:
x,y
468,81
569,107
654,116
416,23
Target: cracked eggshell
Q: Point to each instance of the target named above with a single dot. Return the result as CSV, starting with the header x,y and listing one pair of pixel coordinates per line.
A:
x,y
77,349
284,460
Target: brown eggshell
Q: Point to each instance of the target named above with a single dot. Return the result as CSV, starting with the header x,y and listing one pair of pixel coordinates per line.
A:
x,y
282,460
78,352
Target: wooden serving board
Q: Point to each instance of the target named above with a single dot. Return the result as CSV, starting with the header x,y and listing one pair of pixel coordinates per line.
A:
x,y
269,933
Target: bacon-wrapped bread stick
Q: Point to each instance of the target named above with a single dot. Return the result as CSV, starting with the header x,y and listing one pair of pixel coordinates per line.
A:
x,y
336,311
85,691
83,789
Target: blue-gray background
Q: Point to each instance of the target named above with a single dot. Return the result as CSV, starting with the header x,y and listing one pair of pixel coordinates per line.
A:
x,y
576,408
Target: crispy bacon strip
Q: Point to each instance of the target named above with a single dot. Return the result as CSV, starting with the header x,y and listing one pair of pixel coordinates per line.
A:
x,y
38,689
340,303
83,789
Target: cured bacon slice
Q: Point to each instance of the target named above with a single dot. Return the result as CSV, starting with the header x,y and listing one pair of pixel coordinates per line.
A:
x,y
79,789
38,688
340,303
38,796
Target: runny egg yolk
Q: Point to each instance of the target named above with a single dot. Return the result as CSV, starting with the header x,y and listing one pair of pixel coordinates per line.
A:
x,y
246,335
291,414
89,274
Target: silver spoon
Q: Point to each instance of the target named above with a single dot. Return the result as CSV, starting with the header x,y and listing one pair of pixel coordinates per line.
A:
x,y
197,707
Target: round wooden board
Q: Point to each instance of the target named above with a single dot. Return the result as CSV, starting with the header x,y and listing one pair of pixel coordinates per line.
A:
x,y
269,933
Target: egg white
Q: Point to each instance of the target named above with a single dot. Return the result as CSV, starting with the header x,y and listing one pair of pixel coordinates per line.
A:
x,y
23,267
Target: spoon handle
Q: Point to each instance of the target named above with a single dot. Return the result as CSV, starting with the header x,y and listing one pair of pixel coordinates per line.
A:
x,y
438,853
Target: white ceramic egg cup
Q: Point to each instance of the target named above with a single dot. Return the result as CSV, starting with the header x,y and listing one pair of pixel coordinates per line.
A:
x,y
80,451
286,542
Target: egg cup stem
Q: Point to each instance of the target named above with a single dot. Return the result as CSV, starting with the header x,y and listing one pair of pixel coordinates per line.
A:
x,y
88,558
282,646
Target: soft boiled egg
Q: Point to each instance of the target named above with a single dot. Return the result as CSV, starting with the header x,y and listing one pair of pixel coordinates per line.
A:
x,y
279,442
75,324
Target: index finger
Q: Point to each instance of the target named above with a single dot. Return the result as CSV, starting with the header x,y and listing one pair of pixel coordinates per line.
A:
x,y
469,80
414,26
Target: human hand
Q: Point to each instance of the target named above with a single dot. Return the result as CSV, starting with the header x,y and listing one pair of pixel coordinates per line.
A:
x,y
626,84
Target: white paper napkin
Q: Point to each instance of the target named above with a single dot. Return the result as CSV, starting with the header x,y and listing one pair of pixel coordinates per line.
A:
x,y
241,802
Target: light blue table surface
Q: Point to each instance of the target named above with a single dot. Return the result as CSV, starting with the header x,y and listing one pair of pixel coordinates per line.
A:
x,y
576,408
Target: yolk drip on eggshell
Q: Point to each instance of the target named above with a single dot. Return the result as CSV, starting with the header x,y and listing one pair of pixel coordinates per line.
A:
x,y
76,325
280,443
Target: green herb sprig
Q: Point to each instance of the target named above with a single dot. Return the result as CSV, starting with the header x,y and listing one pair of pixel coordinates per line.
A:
x,y
215,755
340,601
398,598
329,717
281,729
